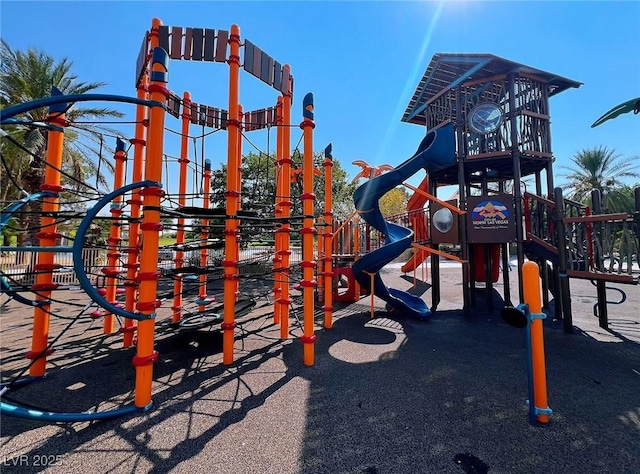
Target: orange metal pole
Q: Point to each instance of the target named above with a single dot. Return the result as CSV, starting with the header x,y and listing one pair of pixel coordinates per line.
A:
x,y
232,198
239,187
113,255
154,40
286,203
320,251
204,236
277,259
151,226
533,297
328,237
308,232
133,248
47,236
182,201
320,258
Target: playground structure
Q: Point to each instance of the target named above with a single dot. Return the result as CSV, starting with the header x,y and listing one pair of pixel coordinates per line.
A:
x,y
455,151
130,274
498,117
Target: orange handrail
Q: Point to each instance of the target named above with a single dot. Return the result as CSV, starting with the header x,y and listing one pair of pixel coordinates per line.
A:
x,y
431,197
438,252
344,224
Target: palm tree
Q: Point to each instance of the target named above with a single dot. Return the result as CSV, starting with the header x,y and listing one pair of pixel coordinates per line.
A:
x,y
29,75
602,169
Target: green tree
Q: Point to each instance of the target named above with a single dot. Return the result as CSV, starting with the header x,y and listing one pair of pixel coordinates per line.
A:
x,y
341,189
27,76
394,202
258,193
602,169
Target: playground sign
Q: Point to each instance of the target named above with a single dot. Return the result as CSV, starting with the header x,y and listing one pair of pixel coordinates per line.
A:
x,y
490,219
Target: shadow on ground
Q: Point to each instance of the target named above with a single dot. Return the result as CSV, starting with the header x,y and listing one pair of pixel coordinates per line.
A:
x,y
384,396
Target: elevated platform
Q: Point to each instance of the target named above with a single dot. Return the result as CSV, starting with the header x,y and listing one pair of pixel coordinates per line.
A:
x,y
500,167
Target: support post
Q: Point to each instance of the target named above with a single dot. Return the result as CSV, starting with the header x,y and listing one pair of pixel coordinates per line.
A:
x,y
279,245
182,201
435,259
515,156
538,404
308,232
239,188
327,259
113,255
462,204
47,238
601,285
133,246
561,242
504,255
151,226
285,299
232,196
204,238
636,218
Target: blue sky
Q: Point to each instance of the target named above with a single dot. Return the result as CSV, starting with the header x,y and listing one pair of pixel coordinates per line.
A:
x,y
362,60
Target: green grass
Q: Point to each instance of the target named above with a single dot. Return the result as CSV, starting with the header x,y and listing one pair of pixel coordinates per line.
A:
x,y
167,241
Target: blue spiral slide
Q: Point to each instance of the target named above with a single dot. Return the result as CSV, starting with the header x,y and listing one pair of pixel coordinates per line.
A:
x,y
435,152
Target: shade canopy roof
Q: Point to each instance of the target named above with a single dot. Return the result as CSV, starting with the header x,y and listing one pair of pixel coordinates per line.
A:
x,y
452,69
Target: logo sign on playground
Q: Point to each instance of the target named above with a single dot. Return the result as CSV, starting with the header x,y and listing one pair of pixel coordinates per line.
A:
x,y
490,219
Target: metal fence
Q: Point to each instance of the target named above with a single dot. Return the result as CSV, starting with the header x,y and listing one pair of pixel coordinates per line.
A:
x,y
18,267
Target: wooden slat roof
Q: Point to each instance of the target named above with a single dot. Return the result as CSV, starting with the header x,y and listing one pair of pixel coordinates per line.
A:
x,y
450,69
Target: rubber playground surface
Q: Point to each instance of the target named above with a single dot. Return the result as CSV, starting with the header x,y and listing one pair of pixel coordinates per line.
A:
x,y
384,396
